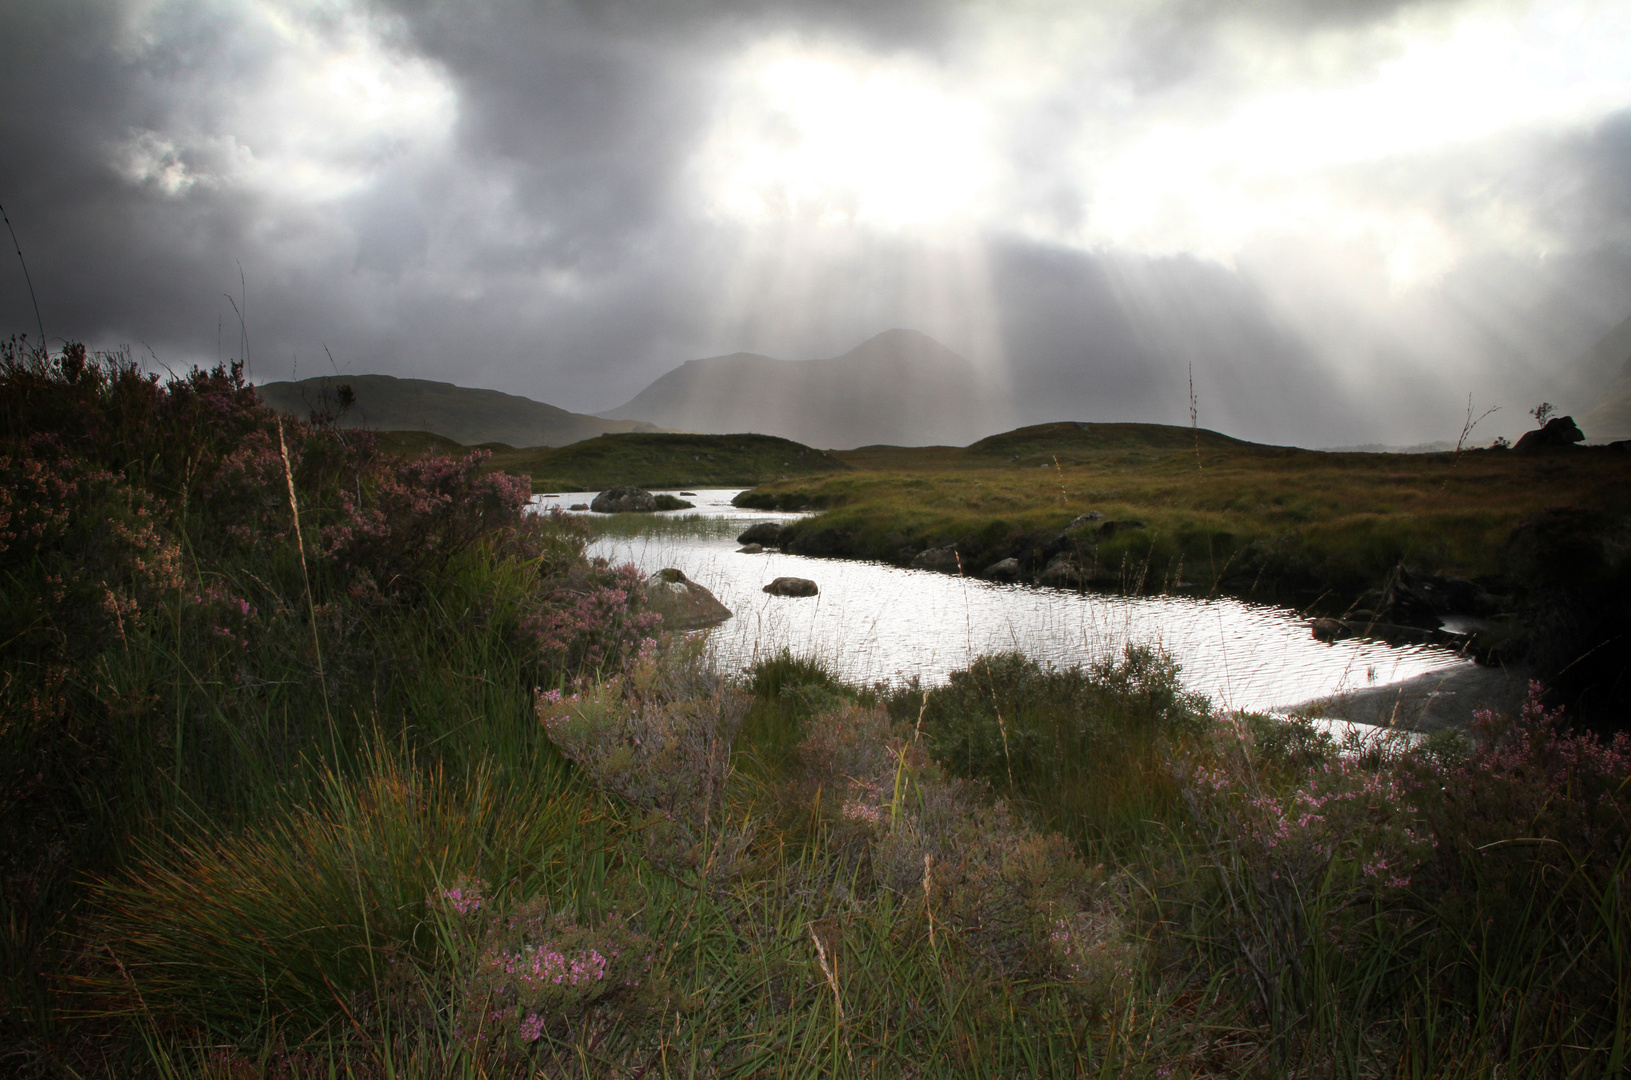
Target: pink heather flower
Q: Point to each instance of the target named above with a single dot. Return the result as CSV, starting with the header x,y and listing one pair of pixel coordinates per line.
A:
x,y
464,903
859,811
531,1028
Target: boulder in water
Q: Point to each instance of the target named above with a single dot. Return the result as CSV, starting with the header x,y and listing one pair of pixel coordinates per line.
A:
x,y
944,559
624,500
1062,571
750,549
683,604
1006,570
791,586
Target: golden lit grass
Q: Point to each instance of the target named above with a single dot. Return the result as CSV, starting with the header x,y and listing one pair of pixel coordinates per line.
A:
x,y
1352,514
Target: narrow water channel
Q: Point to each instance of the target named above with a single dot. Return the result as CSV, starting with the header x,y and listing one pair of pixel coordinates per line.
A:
x,y
875,622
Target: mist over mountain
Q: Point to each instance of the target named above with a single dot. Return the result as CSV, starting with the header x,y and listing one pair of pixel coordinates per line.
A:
x,y
900,387
464,414
1605,398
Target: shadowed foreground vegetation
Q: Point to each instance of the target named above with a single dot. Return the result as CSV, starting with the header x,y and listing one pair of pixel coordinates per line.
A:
x,y
413,789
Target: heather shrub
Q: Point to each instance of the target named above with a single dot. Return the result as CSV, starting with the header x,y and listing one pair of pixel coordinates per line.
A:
x,y
1295,863
1528,883
659,737
1020,903
1078,750
1009,719
420,515
590,618
524,970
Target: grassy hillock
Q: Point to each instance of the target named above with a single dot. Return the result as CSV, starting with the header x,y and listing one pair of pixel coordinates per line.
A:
x,y
666,460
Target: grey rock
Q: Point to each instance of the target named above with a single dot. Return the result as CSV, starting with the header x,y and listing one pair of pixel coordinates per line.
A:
x,y
763,532
791,586
1006,570
944,559
578,506
1082,519
1062,571
683,604
750,549
624,500
1327,629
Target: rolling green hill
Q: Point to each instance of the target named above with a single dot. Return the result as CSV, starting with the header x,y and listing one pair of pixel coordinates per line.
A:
x,y
1066,443
665,460
464,414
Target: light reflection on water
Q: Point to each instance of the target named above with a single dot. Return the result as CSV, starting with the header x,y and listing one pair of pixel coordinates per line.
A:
x,y
875,622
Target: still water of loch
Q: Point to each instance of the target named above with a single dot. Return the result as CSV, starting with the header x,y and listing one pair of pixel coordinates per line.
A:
x,y
873,622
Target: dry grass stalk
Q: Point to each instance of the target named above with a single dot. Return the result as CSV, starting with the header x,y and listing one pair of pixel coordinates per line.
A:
x,y
300,546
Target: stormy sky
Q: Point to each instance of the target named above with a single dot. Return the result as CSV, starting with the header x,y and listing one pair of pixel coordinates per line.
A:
x,y
1347,215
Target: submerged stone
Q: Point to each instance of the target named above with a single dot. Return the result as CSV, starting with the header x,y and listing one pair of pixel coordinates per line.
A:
x,y
791,586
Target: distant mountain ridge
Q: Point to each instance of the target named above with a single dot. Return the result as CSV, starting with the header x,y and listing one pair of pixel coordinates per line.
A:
x,y
464,414
900,387
1610,362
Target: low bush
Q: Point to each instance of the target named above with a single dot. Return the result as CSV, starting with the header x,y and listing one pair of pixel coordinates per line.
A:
x,y
1081,749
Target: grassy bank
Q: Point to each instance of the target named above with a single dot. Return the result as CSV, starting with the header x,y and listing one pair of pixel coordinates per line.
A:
x,y
321,761
1235,515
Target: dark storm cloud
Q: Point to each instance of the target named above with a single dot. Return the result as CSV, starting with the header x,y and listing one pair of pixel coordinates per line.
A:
x,y
523,212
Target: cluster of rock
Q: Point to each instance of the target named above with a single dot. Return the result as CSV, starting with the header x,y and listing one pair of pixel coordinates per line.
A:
x,y
768,534
755,538
633,500
1064,558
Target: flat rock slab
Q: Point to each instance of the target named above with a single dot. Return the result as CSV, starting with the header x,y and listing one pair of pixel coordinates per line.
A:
x,y
1432,702
791,586
683,604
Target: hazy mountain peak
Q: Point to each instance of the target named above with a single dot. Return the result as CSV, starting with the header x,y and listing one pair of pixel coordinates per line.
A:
x,y
900,387
1606,371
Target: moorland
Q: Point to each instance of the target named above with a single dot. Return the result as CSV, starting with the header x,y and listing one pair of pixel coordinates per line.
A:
x,y
318,757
